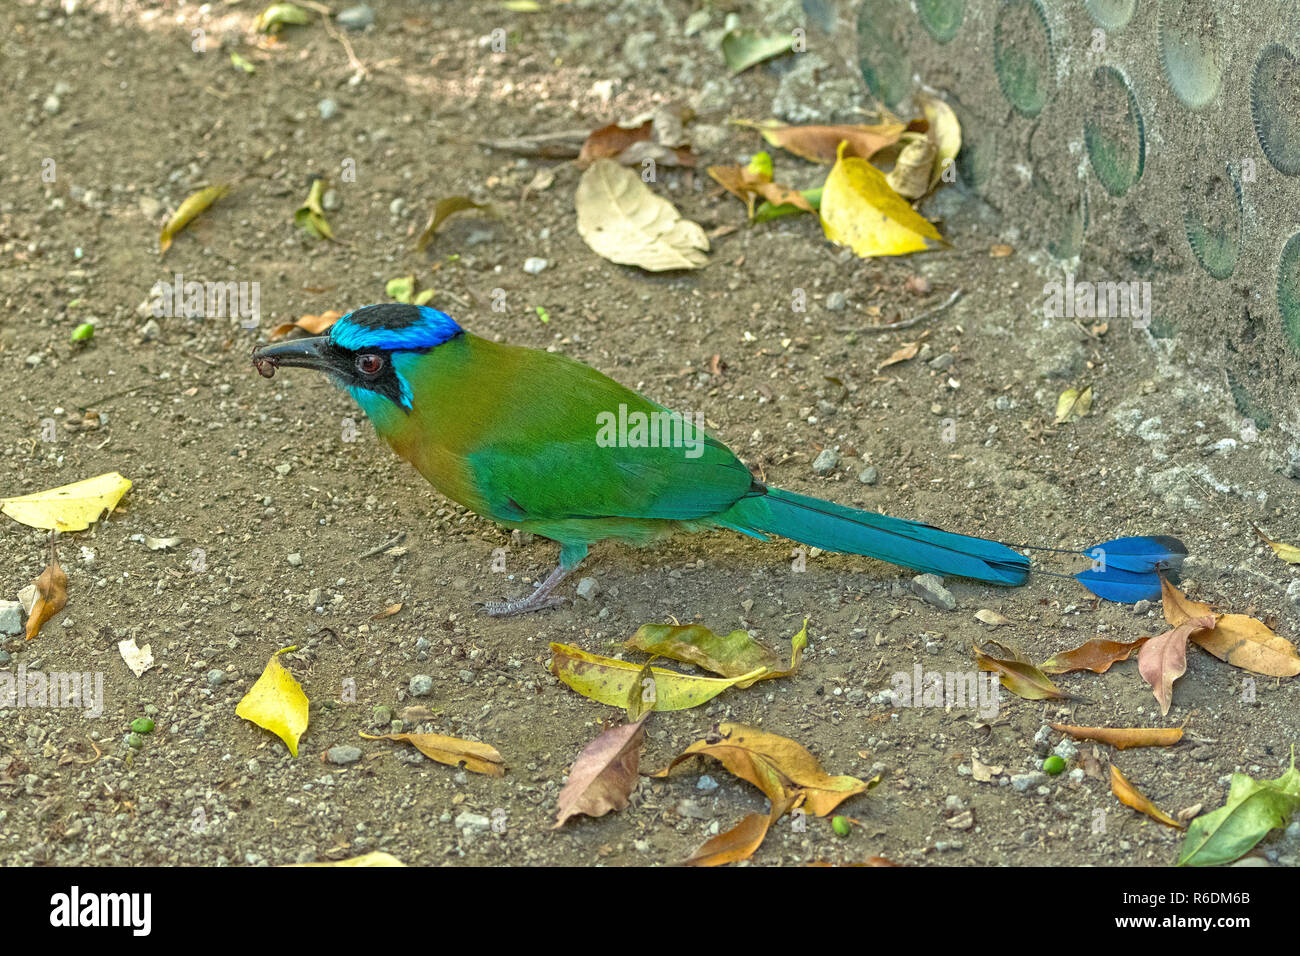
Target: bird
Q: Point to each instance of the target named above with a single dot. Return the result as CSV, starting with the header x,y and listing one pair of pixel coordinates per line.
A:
x,y
537,441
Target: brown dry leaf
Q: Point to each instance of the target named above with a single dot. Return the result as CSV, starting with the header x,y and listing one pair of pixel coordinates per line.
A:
x,y
609,141
983,772
738,843
605,773
1096,655
1124,737
745,184
991,617
656,136
1237,639
778,766
903,354
819,143
1000,251
910,177
474,756
1128,795
311,324
51,595
387,612
1163,659
1022,679
1287,552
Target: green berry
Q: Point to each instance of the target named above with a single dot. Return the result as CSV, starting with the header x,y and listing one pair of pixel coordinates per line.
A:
x,y
1053,765
142,725
840,825
84,332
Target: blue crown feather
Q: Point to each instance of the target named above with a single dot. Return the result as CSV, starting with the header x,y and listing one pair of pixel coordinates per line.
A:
x,y
393,326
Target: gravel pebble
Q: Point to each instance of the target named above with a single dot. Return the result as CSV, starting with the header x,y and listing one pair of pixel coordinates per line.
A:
x,y
421,685
929,587
826,461
343,754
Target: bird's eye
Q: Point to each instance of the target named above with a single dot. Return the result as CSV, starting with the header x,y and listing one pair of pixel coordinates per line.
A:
x,y
368,363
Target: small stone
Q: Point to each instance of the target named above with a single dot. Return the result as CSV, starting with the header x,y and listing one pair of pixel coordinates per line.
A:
x,y
466,675
216,677
942,361
826,461
930,589
1042,740
343,754
4,658
1020,782
328,109
534,265
382,715
706,783
836,301
397,207
150,330
421,685
52,104
587,588
11,617
356,18
869,475
150,208
1142,606
472,822
295,560
1067,750
134,741
330,200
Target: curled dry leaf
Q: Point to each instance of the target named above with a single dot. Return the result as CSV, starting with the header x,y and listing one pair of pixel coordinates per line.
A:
x,y
1163,659
903,354
990,617
310,324
1096,655
139,659
387,612
732,655
1239,640
820,143
51,595
746,183
1073,404
1022,679
1128,795
1287,552
742,49
453,751
375,858
738,843
186,214
1124,737
604,775
310,216
910,177
449,207
622,220
610,681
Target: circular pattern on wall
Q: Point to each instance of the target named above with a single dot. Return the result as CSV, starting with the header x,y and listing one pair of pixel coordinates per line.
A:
x,y
1111,14
1288,290
1212,219
881,42
1191,49
1113,131
1275,107
1022,55
941,18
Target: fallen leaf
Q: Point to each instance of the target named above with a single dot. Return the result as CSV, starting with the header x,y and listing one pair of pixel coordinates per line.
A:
x,y
903,354
1124,737
1237,639
820,144
732,655
1022,679
1097,655
780,767
310,216
738,843
609,681
604,775
311,324
374,858
188,210
767,212
51,595
861,211
521,6
387,612
1000,251
609,141
1253,808
622,220
160,544
990,617
1073,404
944,132
910,177
1287,552
471,754
139,659
73,507
240,63
277,703
1163,659
742,49
748,182
279,15
983,772
402,289
1128,795
449,207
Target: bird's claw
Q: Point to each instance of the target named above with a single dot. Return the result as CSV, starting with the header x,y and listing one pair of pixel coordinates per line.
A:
x,y
520,605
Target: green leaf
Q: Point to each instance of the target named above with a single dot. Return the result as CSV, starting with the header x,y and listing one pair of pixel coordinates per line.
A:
x,y
745,48
761,166
543,314
275,17
310,216
240,63
730,655
84,332
1254,807
767,211
402,288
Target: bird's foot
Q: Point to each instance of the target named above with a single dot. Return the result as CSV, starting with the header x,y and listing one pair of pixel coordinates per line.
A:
x,y
537,601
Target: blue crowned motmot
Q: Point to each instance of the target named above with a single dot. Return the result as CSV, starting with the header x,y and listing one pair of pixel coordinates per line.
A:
x,y
527,439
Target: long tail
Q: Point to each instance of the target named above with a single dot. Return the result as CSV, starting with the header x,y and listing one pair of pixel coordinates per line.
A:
x,y
1124,570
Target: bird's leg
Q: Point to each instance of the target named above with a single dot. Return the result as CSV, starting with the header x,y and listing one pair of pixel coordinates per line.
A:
x,y
539,599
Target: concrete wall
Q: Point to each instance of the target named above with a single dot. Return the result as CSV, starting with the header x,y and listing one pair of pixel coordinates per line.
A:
x,y
1133,141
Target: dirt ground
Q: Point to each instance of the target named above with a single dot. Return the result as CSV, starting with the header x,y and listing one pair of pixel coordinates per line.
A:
x,y
274,507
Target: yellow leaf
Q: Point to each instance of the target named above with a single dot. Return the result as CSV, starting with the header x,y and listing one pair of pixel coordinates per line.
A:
x,y
610,681
376,858
188,210
277,703
861,211
73,507
1073,405
1287,552
475,756
1129,795
945,132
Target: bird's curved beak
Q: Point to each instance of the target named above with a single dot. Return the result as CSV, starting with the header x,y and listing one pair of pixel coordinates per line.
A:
x,y
300,353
